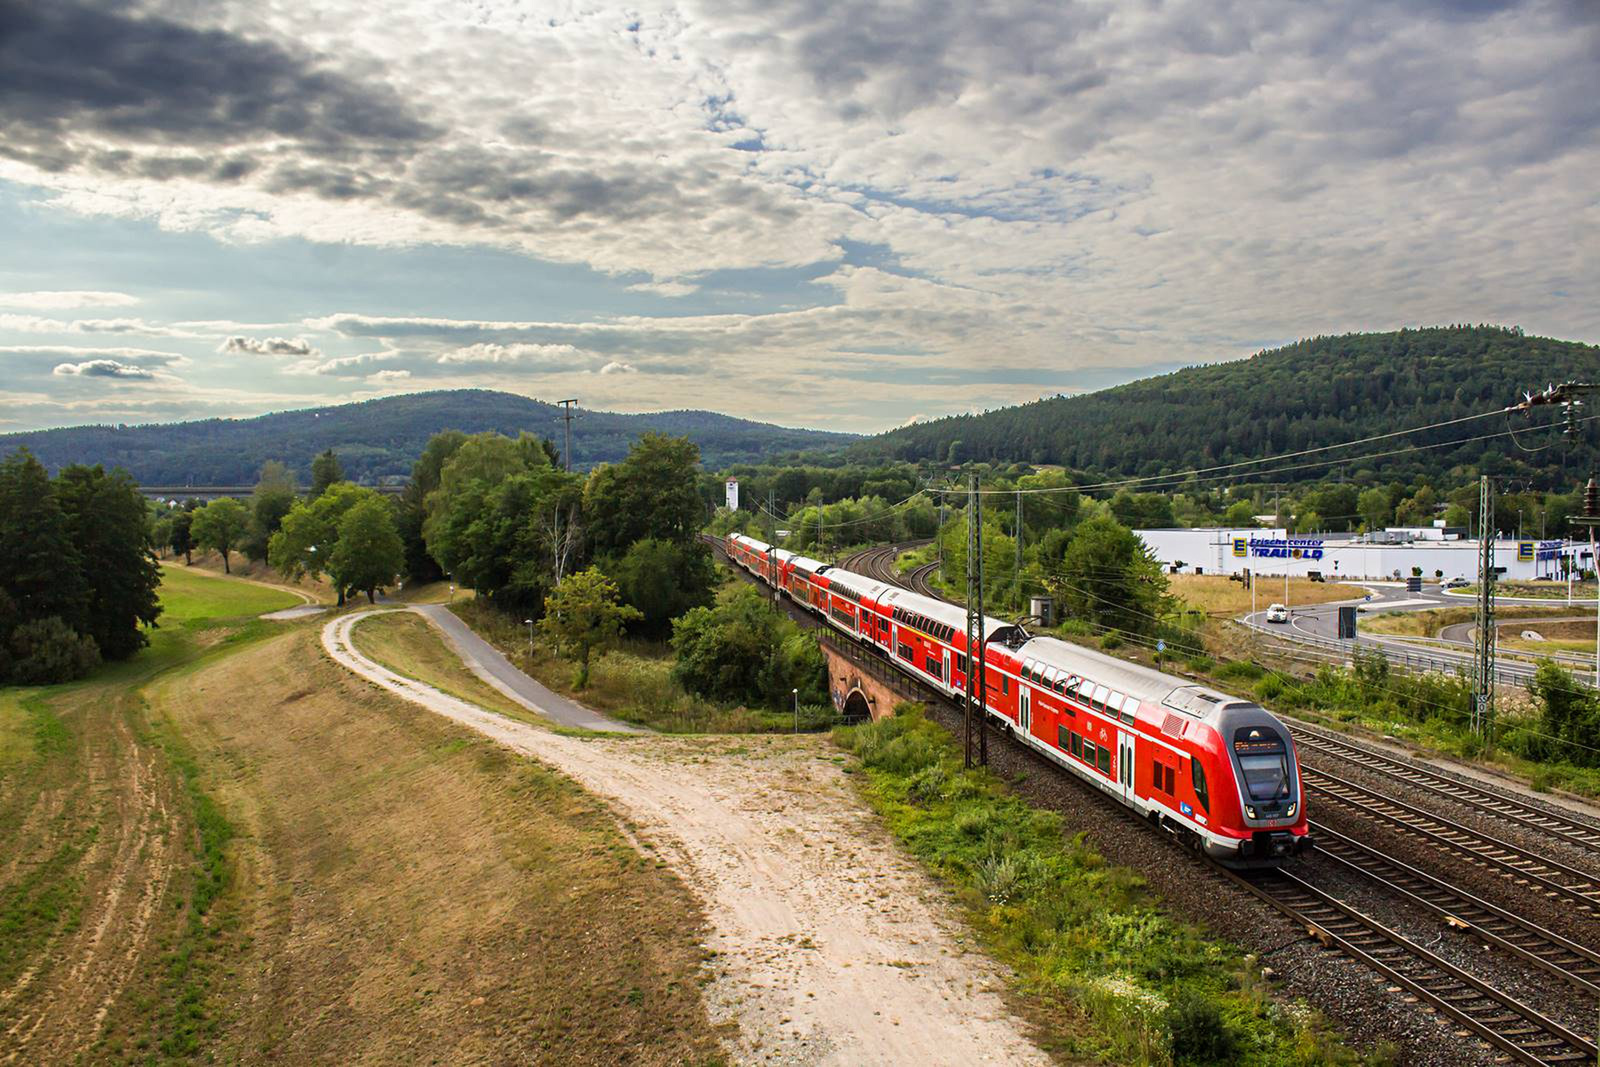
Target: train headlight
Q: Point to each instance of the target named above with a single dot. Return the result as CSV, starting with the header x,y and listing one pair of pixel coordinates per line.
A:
x,y
1250,811
1292,809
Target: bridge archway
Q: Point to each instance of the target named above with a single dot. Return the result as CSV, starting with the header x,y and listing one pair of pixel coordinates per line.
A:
x,y
857,707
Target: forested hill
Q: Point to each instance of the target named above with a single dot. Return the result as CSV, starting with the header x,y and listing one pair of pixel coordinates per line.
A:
x,y
1315,392
382,437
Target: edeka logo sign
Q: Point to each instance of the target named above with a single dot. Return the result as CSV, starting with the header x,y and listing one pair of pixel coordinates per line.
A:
x,y
1286,548
1239,548
1524,551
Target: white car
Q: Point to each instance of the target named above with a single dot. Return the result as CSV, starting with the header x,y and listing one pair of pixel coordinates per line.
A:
x,y
1453,583
1277,613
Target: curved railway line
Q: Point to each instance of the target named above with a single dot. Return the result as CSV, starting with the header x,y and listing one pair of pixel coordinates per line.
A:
x,y
1484,798
1511,861
1505,1023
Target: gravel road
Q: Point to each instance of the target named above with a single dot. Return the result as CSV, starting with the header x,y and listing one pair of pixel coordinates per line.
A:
x,y
828,945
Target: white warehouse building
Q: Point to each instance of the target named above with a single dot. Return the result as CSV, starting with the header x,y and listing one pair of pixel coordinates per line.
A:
x,y
1395,553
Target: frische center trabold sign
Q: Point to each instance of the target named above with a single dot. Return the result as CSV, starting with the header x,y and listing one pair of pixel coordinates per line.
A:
x,y
1278,547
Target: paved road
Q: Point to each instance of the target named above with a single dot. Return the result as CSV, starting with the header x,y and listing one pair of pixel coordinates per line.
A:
x,y
487,663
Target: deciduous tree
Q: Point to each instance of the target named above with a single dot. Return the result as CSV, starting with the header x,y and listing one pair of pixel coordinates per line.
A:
x,y
369,553
110,527
584,615
220,525
325,471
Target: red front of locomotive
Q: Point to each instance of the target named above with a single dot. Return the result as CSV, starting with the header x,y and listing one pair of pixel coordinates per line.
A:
x,y
1248,794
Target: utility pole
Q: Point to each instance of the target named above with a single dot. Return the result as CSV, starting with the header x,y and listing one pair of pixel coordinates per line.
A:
x,y
772,548
567,416
1591,519
939,537
1483,698
1019,549
975,702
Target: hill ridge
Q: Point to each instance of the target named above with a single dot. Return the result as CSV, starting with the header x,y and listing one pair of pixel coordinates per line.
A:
x,y
382,436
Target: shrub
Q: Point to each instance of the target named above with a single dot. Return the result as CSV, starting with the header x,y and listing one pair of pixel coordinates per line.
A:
x,y
47,651
1199,1033
1110,641
1269,687
1241,669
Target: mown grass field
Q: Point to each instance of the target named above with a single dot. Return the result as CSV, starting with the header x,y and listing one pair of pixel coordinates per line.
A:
x,y
230,850
1216,594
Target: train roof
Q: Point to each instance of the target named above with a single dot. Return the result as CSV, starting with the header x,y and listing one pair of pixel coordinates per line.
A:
x,y
1145,683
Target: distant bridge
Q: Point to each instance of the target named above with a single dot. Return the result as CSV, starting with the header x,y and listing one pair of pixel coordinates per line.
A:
x,y
216,492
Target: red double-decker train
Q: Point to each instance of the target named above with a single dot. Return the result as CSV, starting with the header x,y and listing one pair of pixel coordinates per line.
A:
x,y
1218,771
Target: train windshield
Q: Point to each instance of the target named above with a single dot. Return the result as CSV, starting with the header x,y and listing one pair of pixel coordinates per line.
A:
x,y
1264,759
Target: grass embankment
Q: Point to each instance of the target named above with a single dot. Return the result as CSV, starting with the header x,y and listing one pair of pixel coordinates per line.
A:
x,y
235,851
407,645
1428,623
633,683
1576,637
1535,590
108,860
408,891
1085,940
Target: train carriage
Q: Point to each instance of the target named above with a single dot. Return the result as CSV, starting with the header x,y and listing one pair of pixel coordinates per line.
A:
x,y
1218,771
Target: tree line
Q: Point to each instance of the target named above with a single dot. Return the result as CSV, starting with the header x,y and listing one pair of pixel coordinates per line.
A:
x,y
78,573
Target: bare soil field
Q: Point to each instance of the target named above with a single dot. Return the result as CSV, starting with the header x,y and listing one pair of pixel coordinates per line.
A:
x,y
829,944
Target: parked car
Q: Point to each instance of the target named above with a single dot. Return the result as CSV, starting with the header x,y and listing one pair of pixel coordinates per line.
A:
x,y
1277,613
1454,583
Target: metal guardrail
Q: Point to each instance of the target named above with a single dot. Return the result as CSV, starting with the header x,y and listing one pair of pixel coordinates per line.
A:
x,y
1412,662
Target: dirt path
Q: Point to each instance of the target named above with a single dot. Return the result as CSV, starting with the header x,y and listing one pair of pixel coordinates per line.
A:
x,y
831,946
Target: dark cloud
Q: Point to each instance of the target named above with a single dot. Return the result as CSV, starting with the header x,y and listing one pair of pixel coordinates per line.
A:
x,y
268,346
69,68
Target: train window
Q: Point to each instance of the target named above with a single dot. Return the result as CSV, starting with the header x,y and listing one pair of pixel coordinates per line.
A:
x,y
1063,737
961,662
933,667
1088,751
907,653
1114,702
1077,745
1171,784
1097,699
1155,774
1103,761
1200,794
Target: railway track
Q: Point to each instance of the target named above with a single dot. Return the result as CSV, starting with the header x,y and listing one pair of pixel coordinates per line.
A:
x,y
1501,1020
1481,798
1576,964
1511,861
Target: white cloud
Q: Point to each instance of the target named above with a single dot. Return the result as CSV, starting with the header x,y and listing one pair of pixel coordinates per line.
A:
x,y
386,376
268,346
103,368
539,355
618,367
65,299
664,288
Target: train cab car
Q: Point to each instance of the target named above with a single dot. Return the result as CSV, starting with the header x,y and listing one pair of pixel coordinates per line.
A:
x,y
1217,771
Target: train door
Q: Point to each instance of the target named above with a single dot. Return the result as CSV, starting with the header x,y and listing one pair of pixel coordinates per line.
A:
x,y
949,679
1125,764
1024,709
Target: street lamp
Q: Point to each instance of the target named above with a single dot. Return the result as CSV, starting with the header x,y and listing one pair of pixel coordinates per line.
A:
x,y
529,624
796,694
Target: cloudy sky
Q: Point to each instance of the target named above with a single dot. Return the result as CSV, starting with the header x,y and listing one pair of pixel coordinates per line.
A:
x,y
843,215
